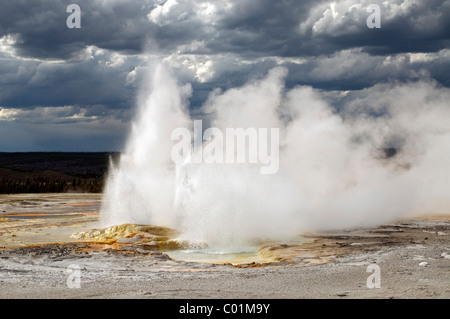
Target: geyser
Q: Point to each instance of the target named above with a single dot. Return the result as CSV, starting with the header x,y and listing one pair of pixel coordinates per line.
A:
x,y
334,170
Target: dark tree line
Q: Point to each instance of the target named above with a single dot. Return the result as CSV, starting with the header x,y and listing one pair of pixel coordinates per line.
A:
x,y
51,185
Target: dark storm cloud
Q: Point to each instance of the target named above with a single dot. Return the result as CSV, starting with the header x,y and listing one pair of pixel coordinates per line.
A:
x,y
257,28
420,26
114,25
262,28
96,70
311,28
42,31
90,81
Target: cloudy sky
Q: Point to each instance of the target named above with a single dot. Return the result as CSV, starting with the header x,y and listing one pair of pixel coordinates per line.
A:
x,y
64,89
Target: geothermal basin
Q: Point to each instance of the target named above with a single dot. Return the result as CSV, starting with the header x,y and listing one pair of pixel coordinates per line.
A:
x,y
36,219
44,236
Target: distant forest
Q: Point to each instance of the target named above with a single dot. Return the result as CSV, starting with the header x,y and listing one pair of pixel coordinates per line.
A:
x,y
54,172
50,185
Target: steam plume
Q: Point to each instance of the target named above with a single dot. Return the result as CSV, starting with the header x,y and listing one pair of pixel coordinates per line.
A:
x,y
382,154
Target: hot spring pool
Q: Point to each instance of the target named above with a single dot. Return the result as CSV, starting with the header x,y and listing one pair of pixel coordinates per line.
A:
x,y
245,256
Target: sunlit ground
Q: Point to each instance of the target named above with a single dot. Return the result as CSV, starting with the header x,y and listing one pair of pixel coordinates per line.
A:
x,y
30,219
144,261
27,219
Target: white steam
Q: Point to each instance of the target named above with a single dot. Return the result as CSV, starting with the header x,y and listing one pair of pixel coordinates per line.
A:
x,y
384,155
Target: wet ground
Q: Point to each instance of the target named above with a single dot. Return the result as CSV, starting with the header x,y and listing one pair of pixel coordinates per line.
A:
x,y
40,258
27,219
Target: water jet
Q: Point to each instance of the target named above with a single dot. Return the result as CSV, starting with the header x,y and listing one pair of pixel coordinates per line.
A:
x,y
330,174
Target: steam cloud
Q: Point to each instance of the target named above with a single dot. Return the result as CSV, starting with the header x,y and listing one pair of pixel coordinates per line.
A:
x,y
378,155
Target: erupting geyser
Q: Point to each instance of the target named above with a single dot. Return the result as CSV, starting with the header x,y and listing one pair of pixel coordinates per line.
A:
x,y
384,153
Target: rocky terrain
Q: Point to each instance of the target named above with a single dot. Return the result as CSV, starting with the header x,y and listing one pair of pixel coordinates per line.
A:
x,y
413,257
